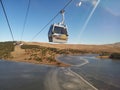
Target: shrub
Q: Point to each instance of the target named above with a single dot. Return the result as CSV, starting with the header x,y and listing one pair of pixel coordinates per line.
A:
x,y
115,56
58,63
38,59
5,49
50,59
29,58
29,46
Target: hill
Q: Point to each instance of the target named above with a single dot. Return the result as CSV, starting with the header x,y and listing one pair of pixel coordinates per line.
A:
x,y
45,53
111,48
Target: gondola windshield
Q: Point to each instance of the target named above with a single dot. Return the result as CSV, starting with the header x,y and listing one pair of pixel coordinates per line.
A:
x,y
60,30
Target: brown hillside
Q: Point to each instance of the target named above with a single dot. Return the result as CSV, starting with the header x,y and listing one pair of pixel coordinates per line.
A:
x,y
92,48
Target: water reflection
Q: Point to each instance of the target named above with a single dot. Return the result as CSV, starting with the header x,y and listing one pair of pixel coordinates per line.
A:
x,y
102,73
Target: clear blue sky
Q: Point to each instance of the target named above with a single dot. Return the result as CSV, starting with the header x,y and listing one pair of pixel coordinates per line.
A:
x,y
102,28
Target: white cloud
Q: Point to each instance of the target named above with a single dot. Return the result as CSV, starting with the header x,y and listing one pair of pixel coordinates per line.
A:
x,y
112,12
93,2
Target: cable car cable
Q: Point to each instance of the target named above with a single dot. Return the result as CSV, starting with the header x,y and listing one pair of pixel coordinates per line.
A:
x,y
25,20
7,19
51,20
45,26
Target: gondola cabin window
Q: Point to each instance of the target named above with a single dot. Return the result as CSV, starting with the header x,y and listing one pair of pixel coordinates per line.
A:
x,y
60,30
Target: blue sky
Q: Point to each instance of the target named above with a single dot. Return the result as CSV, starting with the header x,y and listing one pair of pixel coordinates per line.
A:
x,y
102,28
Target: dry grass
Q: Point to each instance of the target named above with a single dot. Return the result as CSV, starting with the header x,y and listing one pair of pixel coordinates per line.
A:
x,y
33,56
90,48
23,55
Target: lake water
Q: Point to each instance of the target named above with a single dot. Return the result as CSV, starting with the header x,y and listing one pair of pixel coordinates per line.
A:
x,y
22,76
102,73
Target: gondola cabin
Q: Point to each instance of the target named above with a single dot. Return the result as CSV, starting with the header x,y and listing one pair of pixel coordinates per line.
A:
x,y
58,33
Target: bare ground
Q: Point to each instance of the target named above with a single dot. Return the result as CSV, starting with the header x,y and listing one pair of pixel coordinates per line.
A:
x,y
19,54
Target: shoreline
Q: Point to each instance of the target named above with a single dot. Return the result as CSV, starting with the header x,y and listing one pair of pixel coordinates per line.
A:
x,y
46,54
57,63
103,57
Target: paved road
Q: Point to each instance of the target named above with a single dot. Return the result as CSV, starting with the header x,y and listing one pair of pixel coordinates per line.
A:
x,y
25,76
